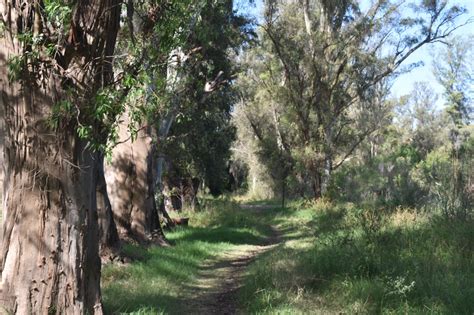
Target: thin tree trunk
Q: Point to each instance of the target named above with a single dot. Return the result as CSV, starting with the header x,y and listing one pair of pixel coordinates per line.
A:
x,y
188,190
49,256
316,184
164,212
308,24
328,158
283,193
327,173
174,80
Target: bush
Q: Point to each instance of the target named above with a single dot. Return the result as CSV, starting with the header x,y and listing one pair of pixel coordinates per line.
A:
x,y
447,177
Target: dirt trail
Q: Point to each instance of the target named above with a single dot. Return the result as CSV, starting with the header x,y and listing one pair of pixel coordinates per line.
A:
x,y
220,279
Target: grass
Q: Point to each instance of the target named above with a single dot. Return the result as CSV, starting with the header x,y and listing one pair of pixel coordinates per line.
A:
x,y
348,259
335,258
155,282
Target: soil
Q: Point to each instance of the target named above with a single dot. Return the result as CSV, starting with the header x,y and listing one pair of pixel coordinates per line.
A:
x,y
216,291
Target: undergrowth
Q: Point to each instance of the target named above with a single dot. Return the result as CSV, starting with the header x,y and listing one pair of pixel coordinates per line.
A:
x,y
341,258
334,258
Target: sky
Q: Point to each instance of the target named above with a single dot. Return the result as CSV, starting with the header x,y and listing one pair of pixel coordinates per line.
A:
x,y
404,83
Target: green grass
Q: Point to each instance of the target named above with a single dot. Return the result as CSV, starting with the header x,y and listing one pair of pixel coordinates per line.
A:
x,y
154,283
341,258
335,258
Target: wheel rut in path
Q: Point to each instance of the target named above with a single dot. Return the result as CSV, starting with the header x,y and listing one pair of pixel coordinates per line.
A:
x,y
216,290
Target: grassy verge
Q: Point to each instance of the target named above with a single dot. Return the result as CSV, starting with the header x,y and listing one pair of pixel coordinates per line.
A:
x,y
347,259
155,283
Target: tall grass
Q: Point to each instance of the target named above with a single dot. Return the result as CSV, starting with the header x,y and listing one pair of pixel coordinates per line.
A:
x,y
343,258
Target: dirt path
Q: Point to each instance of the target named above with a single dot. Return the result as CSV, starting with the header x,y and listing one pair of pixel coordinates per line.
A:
x,y
219,280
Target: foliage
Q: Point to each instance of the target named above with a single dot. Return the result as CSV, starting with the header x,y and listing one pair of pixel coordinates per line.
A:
x,y
201,135
46,53
412,161
455,75
316,84
448,179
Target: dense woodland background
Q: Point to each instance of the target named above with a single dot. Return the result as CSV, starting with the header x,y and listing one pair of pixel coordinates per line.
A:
x,y
122,120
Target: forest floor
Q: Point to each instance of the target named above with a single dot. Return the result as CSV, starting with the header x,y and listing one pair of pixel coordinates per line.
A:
x,y
202,273
309,258
217,287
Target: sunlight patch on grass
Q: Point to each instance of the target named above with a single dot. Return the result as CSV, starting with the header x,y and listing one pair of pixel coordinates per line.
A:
x,y
155,282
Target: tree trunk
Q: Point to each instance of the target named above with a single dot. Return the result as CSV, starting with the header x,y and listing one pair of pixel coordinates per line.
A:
x,y
328,158
316,180
167,186
131,185
327,173
316,186
2,137
49,256
108,235
188,191
50,237
163,130
283,193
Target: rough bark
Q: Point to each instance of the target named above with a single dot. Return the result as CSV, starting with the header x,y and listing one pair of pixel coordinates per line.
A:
x,y
131,185
108,236
328,159
2,137
49,254
316,182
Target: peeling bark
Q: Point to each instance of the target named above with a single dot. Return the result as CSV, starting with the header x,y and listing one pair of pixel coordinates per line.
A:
x,y
131,186
49,253
109,245
2,137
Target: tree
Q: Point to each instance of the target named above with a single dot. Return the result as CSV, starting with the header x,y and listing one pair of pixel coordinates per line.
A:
x,y
154,31
130,185
454,73
246,154
56,55
418,121
453,70
190,159
109,239
324,63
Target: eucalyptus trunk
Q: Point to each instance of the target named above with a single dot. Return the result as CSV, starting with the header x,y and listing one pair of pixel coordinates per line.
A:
x,y
131,185
327,173
110,244
328,158
316,181
2,137
174,78
50,248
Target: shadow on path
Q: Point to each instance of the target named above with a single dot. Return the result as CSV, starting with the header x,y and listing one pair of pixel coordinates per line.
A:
x,y
216,290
